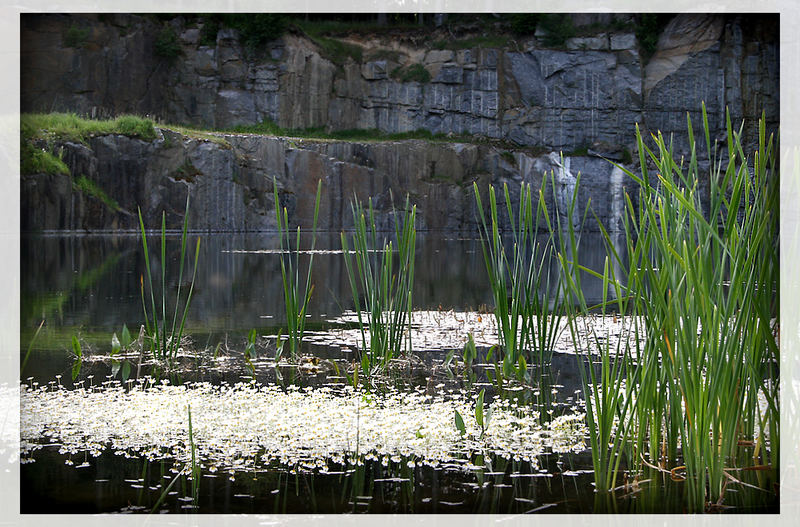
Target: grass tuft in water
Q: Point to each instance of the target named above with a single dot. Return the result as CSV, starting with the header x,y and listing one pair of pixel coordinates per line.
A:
x,y
700,284
295,300
386,282
526,303
164,339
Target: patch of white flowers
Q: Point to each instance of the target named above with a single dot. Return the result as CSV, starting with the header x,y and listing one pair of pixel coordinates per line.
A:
x,y
248,426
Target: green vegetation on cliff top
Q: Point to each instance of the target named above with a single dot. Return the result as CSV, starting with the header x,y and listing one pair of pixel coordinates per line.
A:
x,y
51,127
70,127
47,129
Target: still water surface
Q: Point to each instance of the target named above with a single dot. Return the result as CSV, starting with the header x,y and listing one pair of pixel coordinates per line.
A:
x,y
90,286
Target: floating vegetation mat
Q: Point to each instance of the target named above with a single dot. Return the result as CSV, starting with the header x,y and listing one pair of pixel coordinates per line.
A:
x,y
253,427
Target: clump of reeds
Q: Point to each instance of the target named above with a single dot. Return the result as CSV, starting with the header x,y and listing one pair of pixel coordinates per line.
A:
x,y
701,285
295,299
526,302
165,338
386,281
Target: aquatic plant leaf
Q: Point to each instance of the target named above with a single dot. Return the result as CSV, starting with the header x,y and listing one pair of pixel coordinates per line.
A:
x,y
522,369
125,337
76,347
76,368
460,423
479,409
115,345
115,365
449,358
279,347
126,371
469,353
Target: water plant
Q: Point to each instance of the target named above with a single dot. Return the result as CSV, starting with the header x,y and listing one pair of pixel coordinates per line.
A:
x,y
164,339
295,299
386,287
117,345
698,280
526,302
76,349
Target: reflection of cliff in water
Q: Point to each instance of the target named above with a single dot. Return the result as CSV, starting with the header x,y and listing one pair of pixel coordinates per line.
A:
x,y
94,282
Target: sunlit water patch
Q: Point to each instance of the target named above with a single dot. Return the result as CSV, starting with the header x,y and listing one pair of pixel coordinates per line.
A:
x,y
445,330
249,426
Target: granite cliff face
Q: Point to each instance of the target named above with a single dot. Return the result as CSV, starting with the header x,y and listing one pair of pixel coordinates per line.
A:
x,y
591,91
230,183
582,99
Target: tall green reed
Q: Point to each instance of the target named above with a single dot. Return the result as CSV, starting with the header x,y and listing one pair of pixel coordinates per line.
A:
x,y
165,337
526,302
607,392
295,300
699,284
385,280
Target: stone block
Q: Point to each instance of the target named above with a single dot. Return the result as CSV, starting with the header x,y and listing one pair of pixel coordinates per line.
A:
x,y
450,73
205,62
439,55
599,42
374,70
191,36
622,41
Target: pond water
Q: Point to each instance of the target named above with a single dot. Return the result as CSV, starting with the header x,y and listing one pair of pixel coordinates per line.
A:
x,y
103,445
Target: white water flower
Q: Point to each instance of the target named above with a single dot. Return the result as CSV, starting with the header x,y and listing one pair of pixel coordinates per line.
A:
x,y
247,426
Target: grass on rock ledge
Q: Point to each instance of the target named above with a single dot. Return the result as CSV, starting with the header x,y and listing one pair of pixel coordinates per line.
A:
x,y
57,127
71,127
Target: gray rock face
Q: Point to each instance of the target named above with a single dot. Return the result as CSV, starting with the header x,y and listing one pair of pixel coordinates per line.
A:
x,y
231,185
595,90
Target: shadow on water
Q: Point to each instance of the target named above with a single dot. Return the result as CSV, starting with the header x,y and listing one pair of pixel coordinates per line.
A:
x,y
113,483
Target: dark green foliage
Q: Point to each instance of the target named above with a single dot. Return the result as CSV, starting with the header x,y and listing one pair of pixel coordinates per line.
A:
x,y
649,29
90,188
337,51
37,161
413,73
75,37
166,44
384,54
526,310
557,27
134,126
524,23
255,29
208,34
509,158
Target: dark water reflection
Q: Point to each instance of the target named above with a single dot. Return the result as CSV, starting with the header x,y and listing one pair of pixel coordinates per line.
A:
x,y
92,283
